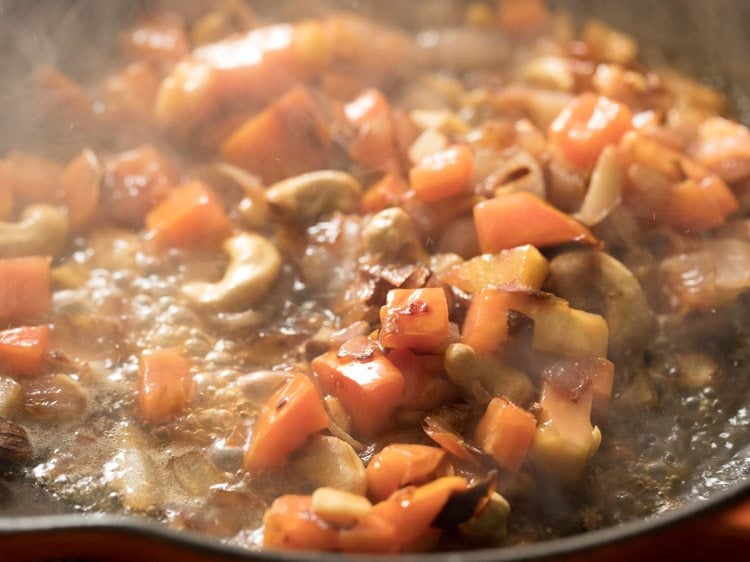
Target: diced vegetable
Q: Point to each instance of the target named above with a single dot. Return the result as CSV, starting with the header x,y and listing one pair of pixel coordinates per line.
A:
x,y
564,438
134,182
165,384
81,183
387,192
291,524
288,138
368,384
414,318
370,104
290,416
400,464
505,432
496,315
515,219
523,267
22,350
425,384
189,215
588,124
443,174
24,288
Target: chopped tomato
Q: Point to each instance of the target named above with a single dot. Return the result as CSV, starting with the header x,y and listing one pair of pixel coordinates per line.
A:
x,y
291,415
165,384
22,350
134,182
81,183
371,104
515,219
159,38
588,124
288,138
425,383
505,432
189,215
24,288
414,318
443,174
367,383
388,191
400,464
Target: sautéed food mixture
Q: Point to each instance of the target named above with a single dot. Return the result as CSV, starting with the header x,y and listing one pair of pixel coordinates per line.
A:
x,y
323,281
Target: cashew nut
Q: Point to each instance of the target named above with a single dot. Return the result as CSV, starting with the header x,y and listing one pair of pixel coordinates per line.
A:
x,y
391,234
481,375
309,196
253,267
237,187
43,229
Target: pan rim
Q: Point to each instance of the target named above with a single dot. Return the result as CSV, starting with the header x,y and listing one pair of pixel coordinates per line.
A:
x,y
203,544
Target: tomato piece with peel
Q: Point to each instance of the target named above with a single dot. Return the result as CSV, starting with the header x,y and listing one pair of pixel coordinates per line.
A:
x,y
165,384
22,350
368,385
291,524
588,124
515,219
291,415
505,432
189,215
400,464
415,319
443,174
25,292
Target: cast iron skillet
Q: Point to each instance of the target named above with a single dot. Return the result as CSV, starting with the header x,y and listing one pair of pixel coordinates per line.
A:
x,y
706,39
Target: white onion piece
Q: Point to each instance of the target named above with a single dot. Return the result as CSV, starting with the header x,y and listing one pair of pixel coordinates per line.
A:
x,y
11,395
604,193
463,47
549,72
520,172
732,263
429,142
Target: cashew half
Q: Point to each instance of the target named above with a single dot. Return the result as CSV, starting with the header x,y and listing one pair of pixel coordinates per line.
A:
x,y
43,229
309,196
391,234
253,267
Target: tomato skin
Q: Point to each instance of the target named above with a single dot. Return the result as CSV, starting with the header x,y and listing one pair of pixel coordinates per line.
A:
x,y
588,124
400,464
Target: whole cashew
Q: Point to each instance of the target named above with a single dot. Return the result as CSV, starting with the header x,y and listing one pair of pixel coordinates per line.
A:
x,y
253,267
308,196
43,229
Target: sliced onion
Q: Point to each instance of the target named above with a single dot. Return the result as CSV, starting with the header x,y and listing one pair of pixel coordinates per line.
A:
x,y
604,193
